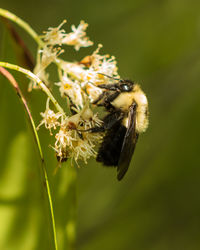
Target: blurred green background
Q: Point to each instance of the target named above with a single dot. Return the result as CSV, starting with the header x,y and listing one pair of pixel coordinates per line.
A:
x,y
157,205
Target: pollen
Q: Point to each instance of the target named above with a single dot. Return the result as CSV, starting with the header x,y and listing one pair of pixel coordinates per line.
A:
x,y
88,77
101,76
86,61
67,86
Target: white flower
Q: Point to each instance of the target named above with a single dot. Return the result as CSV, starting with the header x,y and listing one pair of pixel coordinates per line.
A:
x,y
49,55
90,120
55,36
82,150
104,64
74,70
72,142
92,70
64,137
93,92
50,118
71,89
77,37
108,67
45,57
78,72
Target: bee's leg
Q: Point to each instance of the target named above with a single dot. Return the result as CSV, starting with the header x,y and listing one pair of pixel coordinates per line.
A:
x,y
99,98
96,129
93,130
107,99
72,106
108,122
113,86
112,97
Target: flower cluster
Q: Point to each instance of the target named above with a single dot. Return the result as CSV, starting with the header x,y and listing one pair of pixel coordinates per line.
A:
x,y
71,143
78,84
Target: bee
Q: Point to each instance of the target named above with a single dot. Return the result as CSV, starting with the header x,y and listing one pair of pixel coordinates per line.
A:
x,y
127,117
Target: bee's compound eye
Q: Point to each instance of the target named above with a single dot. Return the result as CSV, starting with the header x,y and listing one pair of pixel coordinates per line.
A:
x,y
125,87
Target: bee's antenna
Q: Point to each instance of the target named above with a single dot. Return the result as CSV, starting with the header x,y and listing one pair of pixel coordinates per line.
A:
x,y
118,79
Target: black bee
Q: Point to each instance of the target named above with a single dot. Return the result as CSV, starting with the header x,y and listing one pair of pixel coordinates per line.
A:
x,y
127,116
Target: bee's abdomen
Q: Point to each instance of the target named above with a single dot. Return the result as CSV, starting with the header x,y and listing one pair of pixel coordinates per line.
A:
x,y
110,149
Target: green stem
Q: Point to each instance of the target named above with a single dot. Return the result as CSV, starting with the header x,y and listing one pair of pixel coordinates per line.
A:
x,y
72,203
22,24
19,93
50,202
34,78
67,204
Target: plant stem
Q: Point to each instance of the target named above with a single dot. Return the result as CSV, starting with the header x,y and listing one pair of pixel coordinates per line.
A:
x,y
22,24
34,78
72,204
66,194
19,93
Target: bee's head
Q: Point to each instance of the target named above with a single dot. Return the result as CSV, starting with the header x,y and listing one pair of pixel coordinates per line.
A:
x,y
126,85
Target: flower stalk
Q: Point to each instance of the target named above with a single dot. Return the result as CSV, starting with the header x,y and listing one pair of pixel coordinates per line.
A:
x,y
45,176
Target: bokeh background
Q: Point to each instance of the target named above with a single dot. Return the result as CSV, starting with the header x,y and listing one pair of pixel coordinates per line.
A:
x,y
157,205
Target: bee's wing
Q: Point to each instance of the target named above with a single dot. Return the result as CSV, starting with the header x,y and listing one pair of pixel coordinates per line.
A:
x,y
130,140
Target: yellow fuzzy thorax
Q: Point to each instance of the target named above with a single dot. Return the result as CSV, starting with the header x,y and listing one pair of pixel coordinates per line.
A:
x,y
126,99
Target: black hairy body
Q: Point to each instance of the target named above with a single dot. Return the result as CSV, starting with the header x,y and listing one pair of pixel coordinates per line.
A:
x,y
110,149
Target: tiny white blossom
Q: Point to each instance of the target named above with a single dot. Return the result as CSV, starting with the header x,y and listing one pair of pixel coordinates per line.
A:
x,y
108,67
55,36
64,137
93,91
90,120
77,71
72,89
82,150
50,118
92,69
73,69
104,64
45,57
49,55
77,37
79,146
87,118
